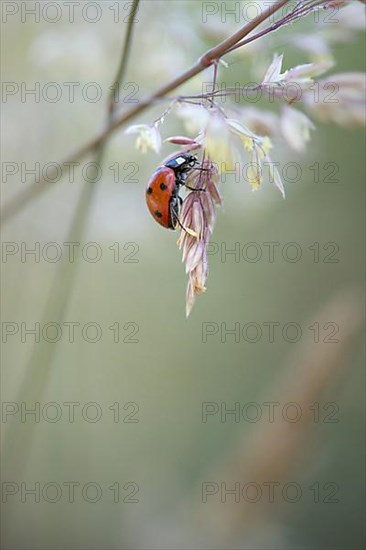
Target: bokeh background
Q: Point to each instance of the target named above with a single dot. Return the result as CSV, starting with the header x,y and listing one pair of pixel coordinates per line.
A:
x,y
169,371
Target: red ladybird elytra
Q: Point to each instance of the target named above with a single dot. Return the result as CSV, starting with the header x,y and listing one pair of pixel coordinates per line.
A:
x,y
162,192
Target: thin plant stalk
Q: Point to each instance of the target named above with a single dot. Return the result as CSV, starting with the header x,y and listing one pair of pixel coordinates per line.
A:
x,y
39,366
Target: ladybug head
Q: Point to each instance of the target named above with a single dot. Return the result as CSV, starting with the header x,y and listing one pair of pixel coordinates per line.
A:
x,y
182,163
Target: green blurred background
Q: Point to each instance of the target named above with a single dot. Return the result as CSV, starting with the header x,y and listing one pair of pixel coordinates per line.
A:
x,y
169,371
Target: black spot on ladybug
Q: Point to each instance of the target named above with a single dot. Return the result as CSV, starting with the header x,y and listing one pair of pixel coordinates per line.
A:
x,y
163,187
158,214
149,191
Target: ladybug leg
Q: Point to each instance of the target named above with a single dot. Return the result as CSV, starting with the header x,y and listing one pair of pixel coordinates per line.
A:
x,y
174,215
174,209
181,182
190,232
194,188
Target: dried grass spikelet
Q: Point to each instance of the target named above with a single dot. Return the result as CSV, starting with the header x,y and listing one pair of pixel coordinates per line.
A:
x,y
198,214
347,107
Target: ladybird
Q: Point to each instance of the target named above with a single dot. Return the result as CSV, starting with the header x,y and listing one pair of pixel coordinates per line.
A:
x,y
162,192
